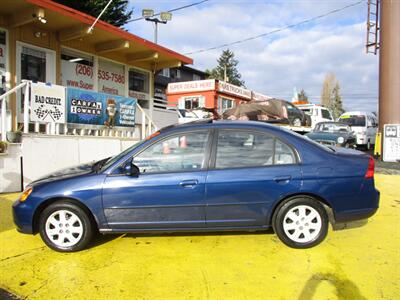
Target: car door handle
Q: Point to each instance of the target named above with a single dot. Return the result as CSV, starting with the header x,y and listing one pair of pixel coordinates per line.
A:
x,y
284,178
189,183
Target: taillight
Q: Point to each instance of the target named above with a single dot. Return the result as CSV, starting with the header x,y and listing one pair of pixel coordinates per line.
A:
x,y
371,168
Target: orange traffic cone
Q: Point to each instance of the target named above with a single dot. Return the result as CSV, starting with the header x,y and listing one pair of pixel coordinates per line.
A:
x,y
183,143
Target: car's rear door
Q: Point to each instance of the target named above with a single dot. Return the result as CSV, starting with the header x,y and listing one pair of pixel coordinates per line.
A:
x,y
249,172
169,191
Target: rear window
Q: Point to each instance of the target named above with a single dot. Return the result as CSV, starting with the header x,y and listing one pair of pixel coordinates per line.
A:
x,y
237,149
353,120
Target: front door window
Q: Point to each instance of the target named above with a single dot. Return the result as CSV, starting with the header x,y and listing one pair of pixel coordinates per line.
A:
x,y
183,152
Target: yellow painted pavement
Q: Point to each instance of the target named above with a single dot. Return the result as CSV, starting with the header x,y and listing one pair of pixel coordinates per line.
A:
x,y
361,261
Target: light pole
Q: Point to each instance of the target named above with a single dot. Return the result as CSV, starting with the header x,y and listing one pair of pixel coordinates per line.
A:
x,y
148,15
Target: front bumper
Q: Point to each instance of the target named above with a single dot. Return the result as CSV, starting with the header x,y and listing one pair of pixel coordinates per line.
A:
x,y
23,217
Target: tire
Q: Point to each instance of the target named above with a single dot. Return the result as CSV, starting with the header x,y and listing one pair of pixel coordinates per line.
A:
x,y
296,122
66,220
296,227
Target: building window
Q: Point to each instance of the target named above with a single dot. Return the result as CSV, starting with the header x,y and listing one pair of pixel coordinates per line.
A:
x,y
139,86
3,61
111,78
225,104
196,77
178,73
192,102
165,72
77,70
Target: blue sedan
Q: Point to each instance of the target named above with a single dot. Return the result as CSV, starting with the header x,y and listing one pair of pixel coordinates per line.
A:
x,y
204,176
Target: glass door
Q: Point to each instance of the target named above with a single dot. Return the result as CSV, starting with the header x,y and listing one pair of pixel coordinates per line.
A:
x,y
36,64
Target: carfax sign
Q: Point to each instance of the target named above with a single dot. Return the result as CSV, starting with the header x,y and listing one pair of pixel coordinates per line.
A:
x,y
87,107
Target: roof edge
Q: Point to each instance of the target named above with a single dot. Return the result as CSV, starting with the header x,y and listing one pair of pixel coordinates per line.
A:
x,y
87,19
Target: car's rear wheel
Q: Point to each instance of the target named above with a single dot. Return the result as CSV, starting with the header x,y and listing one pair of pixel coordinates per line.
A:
x,y
301,222
65,227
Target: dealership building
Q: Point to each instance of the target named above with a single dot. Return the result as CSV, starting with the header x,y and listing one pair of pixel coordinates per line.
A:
x,y
90,93
211,94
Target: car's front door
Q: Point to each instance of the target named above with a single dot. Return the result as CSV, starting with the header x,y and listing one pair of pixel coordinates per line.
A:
x,y
250,171
169,191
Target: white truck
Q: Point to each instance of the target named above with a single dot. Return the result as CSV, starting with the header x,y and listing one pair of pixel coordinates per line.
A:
x,y
317,113
364,124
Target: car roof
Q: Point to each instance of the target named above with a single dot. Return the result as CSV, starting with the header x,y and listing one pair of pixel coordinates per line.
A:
x,y
222,124
359,113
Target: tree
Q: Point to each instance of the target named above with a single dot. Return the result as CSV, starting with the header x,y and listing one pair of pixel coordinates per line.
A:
x,y
302,96
336,102
227,68
330,95
116,14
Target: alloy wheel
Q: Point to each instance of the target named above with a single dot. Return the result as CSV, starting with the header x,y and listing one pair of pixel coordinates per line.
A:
x,y
64,228
302,224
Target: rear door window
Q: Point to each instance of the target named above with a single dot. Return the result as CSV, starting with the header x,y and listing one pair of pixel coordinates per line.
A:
x,y
238,149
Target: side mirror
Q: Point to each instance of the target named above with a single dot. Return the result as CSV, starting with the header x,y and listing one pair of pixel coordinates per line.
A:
x,y
131,169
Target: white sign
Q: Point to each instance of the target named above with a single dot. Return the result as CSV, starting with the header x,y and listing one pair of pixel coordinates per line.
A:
x,y
47,103
77,75
111,78
233,90
191,86
139,95
260,97
391,142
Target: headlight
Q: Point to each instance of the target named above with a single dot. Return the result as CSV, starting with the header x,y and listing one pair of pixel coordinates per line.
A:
x,y
340,140
25,194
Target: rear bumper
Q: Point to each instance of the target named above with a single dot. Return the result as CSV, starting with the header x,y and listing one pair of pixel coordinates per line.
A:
x,y
359,214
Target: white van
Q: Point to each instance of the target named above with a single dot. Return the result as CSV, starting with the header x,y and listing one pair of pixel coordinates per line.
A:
x,y
364,124
317,113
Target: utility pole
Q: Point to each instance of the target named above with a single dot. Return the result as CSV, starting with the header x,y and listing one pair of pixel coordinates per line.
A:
x,y
389,63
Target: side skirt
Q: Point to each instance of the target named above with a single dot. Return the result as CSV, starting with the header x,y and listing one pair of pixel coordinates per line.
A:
x,y
169,230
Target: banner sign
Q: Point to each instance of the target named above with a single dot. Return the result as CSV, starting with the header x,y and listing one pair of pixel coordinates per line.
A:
x,y
87,107
47,103
191,86
234,90
391,142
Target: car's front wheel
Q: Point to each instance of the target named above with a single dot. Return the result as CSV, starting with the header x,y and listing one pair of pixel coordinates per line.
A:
x,y
301,222
65,227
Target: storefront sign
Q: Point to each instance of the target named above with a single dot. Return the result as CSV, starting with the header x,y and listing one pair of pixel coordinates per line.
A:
x,y
233,90
111,78
259,97
139,95
391,143
86,107
77,75
191,86
47,103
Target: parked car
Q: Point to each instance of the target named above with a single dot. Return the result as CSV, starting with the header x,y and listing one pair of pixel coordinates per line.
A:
x,y
334,134
364,125
270,111
206,176
316,112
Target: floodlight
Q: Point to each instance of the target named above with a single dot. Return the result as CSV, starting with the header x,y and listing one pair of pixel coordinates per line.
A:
x,y
147,13
166,16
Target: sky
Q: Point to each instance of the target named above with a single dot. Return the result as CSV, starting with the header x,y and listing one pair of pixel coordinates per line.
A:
x,y
275,64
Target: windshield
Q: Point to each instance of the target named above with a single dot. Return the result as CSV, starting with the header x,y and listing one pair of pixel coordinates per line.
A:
x,y
332,127
353,120
117,157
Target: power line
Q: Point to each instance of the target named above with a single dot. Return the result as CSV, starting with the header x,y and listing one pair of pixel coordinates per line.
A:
x,y
172,10
279,29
